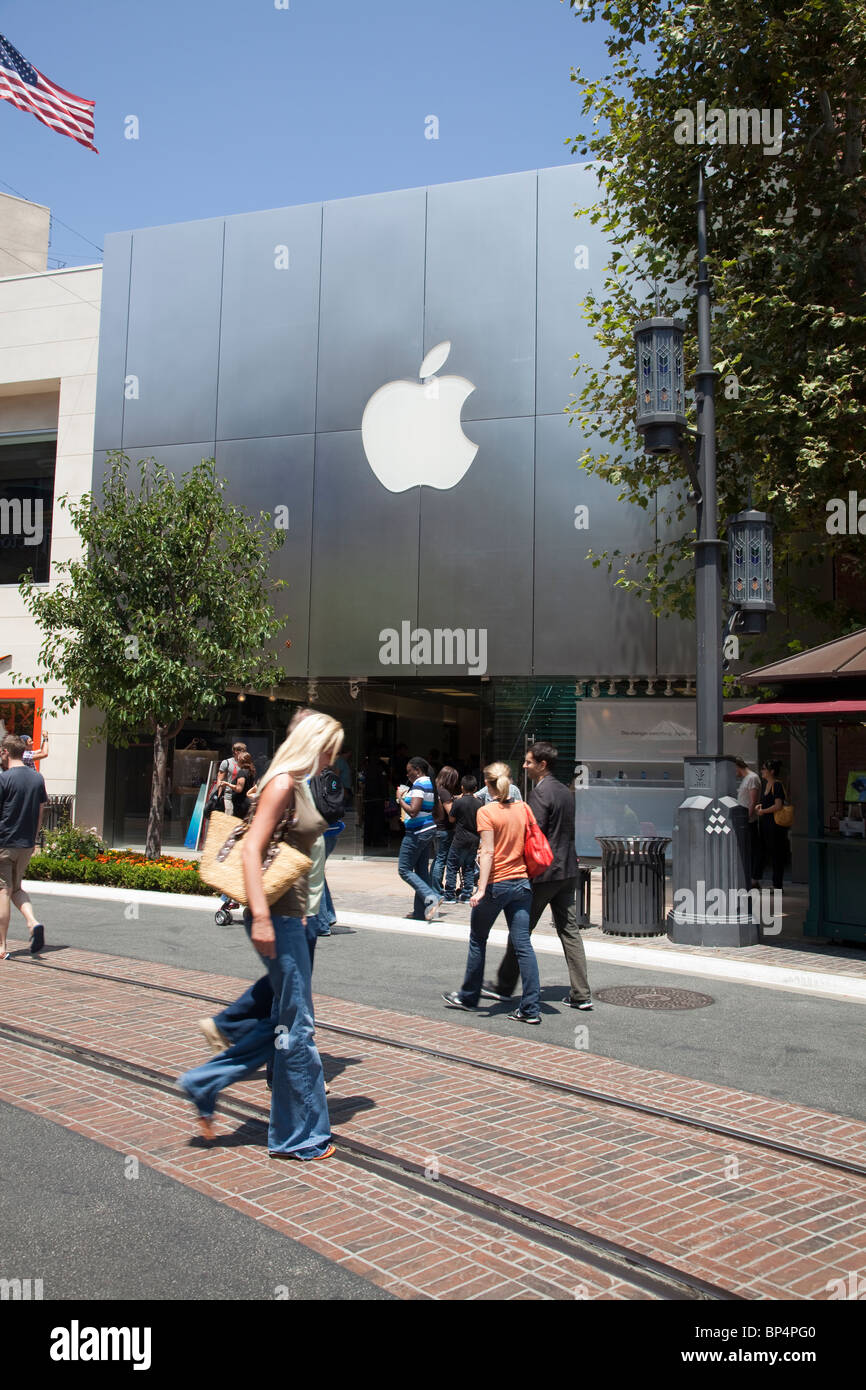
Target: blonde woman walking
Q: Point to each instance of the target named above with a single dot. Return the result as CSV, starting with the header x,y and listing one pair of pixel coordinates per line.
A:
x,y
503,886
299,1123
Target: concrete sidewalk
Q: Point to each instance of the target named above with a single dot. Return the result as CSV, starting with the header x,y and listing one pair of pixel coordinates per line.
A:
x,y
374,887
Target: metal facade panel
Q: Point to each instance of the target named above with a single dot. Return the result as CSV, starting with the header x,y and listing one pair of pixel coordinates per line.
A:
x,y
564,243
480,289
173,343
372,302
113,319
270,324
476,552
364,562
510,307
676,639
584,625
265,474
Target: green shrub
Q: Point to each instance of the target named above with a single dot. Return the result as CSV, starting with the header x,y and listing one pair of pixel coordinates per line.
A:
x,y
47,868
72,842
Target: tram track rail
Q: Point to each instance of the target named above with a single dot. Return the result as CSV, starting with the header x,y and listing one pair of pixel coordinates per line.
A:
x,y
662,1281
568,1088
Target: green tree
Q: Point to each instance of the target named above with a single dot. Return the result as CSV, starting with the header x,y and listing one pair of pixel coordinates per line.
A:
x,y
787,234
168,605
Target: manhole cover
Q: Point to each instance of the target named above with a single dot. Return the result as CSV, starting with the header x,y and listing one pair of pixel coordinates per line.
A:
x,y
654,997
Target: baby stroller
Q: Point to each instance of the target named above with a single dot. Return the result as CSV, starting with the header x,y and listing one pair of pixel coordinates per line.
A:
x,y
223,915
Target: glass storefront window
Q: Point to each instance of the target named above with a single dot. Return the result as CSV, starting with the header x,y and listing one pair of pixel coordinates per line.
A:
x,y
21,713
26,501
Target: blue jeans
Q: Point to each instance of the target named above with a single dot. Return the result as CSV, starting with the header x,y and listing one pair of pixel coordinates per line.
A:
x,y
460,857
326,914
514,898
247,1010
414,868
442,843
299,1123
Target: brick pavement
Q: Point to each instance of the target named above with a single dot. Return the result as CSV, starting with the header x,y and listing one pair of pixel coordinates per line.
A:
x,y
763,1225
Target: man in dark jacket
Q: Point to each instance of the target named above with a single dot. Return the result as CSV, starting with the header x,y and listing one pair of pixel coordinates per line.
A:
x,y
553,807
22,801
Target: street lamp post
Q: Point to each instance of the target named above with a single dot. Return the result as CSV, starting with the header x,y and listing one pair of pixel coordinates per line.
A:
x,y
712,904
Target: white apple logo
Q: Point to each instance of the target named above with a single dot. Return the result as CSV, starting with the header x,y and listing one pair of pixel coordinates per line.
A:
x,y
412,433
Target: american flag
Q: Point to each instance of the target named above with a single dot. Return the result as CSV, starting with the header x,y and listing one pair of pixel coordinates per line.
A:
x,y
31,91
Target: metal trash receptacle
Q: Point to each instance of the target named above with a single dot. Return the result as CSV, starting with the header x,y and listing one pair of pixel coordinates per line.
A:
x,y
58,812
633,885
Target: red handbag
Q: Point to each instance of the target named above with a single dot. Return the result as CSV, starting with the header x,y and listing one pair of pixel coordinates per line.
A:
x,y
536,847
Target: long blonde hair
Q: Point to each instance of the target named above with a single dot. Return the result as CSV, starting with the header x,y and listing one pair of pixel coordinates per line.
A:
x,y
299,755
500,773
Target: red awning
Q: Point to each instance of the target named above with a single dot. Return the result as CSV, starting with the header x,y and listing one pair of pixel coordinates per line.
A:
x,y
796,710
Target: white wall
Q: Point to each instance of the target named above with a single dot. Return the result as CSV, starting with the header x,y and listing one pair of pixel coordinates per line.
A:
x,y
49,331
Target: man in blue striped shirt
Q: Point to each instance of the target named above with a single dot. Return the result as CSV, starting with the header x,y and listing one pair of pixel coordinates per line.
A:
x,y
418,800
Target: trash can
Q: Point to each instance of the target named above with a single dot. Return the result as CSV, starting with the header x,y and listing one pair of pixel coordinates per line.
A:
x,y
633,886
584,897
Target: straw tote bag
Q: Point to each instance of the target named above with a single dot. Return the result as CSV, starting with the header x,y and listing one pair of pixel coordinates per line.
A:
x,y
785,817
222,866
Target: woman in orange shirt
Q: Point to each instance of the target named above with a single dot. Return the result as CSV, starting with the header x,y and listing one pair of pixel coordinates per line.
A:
x,y
503,886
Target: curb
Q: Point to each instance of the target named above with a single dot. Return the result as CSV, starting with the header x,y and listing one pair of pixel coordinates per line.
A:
x,y
105,893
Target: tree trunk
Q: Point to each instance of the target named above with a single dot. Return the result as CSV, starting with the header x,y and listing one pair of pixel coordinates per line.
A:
x,y
153,843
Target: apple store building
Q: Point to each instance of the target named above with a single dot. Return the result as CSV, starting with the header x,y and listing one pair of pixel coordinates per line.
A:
x,y
388,376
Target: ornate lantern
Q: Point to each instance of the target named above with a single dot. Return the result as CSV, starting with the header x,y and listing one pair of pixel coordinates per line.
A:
x,y
750,568
660,384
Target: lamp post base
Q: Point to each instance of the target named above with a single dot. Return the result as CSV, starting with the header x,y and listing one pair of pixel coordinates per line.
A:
x,y
712,904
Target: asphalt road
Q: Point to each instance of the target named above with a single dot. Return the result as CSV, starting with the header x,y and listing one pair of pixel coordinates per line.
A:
x,y
798,1048
71,1217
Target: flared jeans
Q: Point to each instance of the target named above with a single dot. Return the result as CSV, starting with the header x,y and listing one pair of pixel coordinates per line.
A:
x,y
299,1122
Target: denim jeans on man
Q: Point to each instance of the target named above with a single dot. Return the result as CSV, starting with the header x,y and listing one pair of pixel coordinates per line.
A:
x,y
299,1123
460,857
326,916
560,895
441,844
514,898
413,866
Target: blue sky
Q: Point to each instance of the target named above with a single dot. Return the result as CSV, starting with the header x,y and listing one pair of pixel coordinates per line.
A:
x,y
243,106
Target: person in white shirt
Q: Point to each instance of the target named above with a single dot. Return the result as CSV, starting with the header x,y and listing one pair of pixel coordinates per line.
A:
x,y
749,795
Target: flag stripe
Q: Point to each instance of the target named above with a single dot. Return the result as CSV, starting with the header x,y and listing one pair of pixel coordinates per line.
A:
x,y
47,105
67,125
30,90
46,111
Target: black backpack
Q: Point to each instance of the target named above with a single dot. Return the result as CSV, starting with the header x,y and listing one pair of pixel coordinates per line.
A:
x,y
327,792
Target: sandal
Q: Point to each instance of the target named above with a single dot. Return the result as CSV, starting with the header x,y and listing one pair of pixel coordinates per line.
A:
x,y
329,1153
